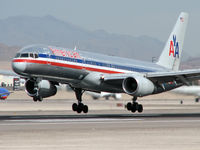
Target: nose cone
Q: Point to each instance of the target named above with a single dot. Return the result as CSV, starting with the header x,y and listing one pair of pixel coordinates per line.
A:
x,y
18,67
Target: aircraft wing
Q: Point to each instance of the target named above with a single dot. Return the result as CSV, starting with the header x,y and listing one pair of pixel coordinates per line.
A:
x,y
160,77
8,73
184,76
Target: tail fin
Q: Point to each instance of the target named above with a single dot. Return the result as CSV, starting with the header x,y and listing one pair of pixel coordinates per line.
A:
x,y
170,57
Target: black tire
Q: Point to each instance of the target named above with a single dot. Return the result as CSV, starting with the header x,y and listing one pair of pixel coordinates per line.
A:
x,y
140,108
40,99
35,99
79,110
85,109
133,108
80,105
129,106
74,107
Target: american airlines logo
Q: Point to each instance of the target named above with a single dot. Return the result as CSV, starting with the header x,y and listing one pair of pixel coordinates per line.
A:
x,y
65,53
174,47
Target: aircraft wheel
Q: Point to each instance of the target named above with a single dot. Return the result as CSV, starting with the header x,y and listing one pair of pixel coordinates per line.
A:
x,y
35,99
79,110
134,108
140,108
74,107
85,109
40,99
81,105
129,106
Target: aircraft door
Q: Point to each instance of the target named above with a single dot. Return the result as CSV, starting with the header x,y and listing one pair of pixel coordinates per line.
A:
x,y
83,64
48,59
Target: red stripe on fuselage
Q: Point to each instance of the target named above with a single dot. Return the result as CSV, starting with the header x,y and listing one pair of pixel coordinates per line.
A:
x,y
65,65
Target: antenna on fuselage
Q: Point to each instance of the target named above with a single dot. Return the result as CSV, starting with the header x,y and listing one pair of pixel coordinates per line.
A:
x,y
75,48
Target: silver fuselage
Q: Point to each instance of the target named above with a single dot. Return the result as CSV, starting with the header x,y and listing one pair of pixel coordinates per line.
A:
x,y
71,66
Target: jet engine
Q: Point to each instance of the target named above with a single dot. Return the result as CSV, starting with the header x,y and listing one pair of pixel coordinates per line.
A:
x,y
44,88
138,86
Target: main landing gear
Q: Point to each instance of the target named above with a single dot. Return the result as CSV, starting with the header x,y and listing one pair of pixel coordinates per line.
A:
x,y
37,98
80,107
134,106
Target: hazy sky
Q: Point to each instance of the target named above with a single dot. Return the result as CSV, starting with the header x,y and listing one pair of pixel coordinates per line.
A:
x,y
154,18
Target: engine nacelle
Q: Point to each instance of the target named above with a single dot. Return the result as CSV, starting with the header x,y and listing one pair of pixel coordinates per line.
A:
x,y
138,86
44,88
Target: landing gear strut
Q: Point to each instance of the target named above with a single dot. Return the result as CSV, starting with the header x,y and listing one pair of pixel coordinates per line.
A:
x,y
134,106
80,107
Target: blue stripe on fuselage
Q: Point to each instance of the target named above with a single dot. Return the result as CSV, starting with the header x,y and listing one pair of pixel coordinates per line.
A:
x,y
95,63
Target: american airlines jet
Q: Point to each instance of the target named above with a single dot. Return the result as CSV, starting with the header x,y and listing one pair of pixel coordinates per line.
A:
x,y
43,67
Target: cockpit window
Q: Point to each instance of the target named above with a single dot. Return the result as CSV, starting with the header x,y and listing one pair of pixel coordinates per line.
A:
x,y
24,55
17,55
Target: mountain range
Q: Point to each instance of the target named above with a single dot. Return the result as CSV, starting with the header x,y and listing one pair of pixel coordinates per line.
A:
x,y
19,31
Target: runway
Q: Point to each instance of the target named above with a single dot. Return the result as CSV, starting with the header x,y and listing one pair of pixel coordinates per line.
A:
x,y
123,132
50,125
98,119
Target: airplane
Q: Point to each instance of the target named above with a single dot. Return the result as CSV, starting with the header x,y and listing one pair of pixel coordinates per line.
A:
x,y
44,67
105,95
193,90
4,93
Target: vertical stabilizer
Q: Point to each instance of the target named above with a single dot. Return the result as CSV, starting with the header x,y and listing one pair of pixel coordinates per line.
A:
x,y
171,54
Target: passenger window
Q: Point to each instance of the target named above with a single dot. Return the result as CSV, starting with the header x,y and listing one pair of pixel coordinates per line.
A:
x,y
31,55
24,55
36,55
